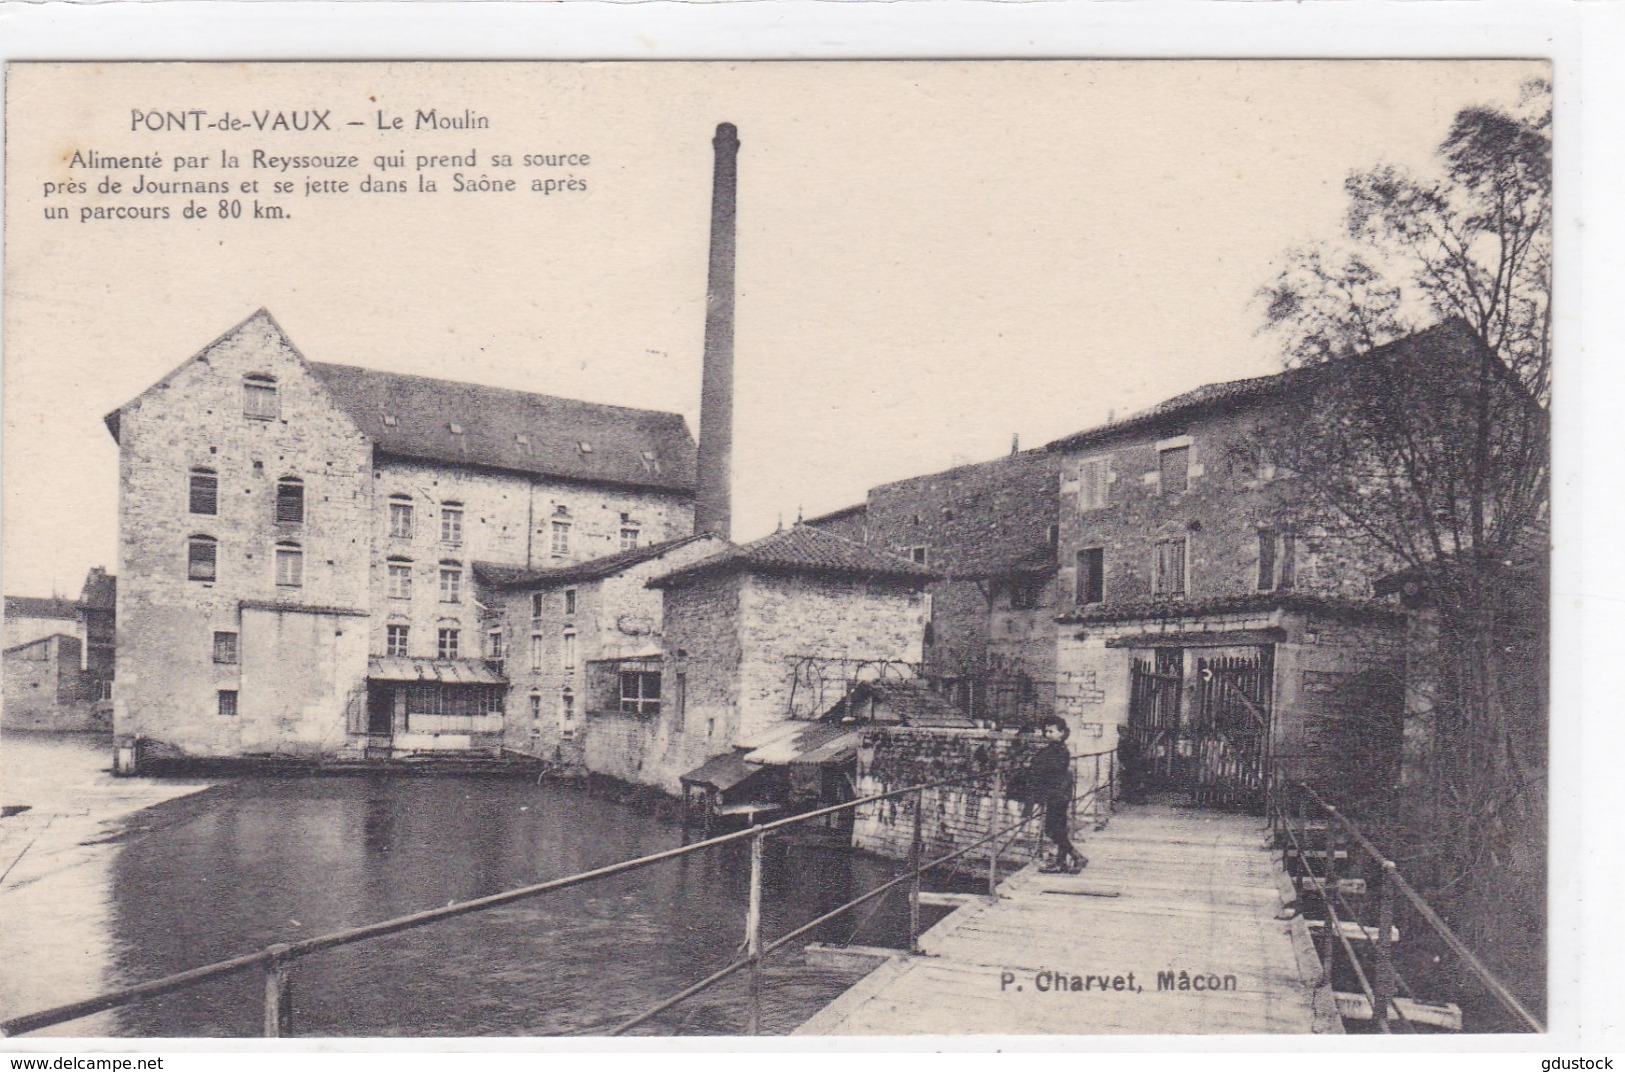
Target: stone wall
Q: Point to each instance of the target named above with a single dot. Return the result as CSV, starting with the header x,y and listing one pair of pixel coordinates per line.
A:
x,y
45,688
972,520
1230,495
615,618
783,619
507,518
168,680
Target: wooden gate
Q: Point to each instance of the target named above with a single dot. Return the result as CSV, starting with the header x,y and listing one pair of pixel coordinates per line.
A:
x,y
1230,730
1154,756
1218,748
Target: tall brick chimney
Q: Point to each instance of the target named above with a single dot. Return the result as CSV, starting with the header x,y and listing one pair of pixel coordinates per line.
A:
x,y
713,507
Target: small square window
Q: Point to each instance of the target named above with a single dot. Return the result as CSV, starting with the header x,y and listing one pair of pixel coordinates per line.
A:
x,y
640,692
629,537
395,638
918,554
226,703
259,398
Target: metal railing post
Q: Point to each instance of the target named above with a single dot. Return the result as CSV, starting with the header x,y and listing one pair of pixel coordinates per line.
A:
x,y
1385,988
278,992
1328,884
992,826
914,861
753,937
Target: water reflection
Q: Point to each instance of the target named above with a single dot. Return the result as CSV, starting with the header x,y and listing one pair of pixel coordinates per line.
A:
x,y
270,859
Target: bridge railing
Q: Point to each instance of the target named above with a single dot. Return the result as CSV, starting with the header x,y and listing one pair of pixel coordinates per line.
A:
x,y
1351,866
277,962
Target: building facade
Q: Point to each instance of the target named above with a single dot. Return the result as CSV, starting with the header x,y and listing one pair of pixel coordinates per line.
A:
x,y
297,544
578,642
988,530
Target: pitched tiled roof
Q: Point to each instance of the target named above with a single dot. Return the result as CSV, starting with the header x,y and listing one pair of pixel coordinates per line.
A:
x,y
471,424
590,570
804,550
909,703
1153,610
41,607
1217,396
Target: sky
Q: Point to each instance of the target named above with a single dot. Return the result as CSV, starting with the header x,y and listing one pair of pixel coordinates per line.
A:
x,y
933,257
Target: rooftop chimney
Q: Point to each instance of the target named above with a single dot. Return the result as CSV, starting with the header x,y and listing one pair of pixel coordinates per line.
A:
x,y
713,504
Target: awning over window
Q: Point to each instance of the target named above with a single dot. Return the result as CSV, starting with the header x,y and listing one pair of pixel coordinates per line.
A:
x,y
445,671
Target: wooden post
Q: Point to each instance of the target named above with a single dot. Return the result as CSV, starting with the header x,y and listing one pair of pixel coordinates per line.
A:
x,y
1385,983
993,829
914,862
278,992
1328,882
753,937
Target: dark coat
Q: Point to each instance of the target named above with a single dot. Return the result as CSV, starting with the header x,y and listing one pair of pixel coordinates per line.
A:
x,y
1046,777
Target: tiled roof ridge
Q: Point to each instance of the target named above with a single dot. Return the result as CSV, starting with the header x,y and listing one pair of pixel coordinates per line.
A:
x,y
1224,391
602,566
797,549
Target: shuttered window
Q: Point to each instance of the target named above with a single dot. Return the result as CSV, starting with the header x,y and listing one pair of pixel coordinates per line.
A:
x,y
290,566
200,558
204,496
1092,476
290,501
1169,573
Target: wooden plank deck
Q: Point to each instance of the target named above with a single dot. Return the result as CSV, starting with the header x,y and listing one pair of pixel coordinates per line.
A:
x,y
1166,890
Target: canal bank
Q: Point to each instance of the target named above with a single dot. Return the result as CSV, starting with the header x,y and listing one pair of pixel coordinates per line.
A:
x,y
66,815
267,859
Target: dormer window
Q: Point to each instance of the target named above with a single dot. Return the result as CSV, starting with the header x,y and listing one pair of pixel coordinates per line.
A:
x,y
455,428
290,501
390,420
584,447
522,438
259,397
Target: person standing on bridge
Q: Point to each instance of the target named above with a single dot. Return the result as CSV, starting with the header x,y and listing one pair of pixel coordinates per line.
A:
x,y
1048,782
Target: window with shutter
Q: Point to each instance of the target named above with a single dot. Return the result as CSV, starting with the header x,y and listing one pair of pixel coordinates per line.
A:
x,y
204,497
290,501
200,558
1092,478
1169,577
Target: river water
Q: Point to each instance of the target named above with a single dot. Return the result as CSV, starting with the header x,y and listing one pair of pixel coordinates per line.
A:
x,y
260,860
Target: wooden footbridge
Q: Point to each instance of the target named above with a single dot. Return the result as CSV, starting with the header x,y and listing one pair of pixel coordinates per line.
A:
x,y
1177,926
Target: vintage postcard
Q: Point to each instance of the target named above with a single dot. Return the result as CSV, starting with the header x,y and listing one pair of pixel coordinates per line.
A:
x,y
502,549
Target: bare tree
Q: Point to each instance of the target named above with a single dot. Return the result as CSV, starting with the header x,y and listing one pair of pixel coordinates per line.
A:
x,y
1425,444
